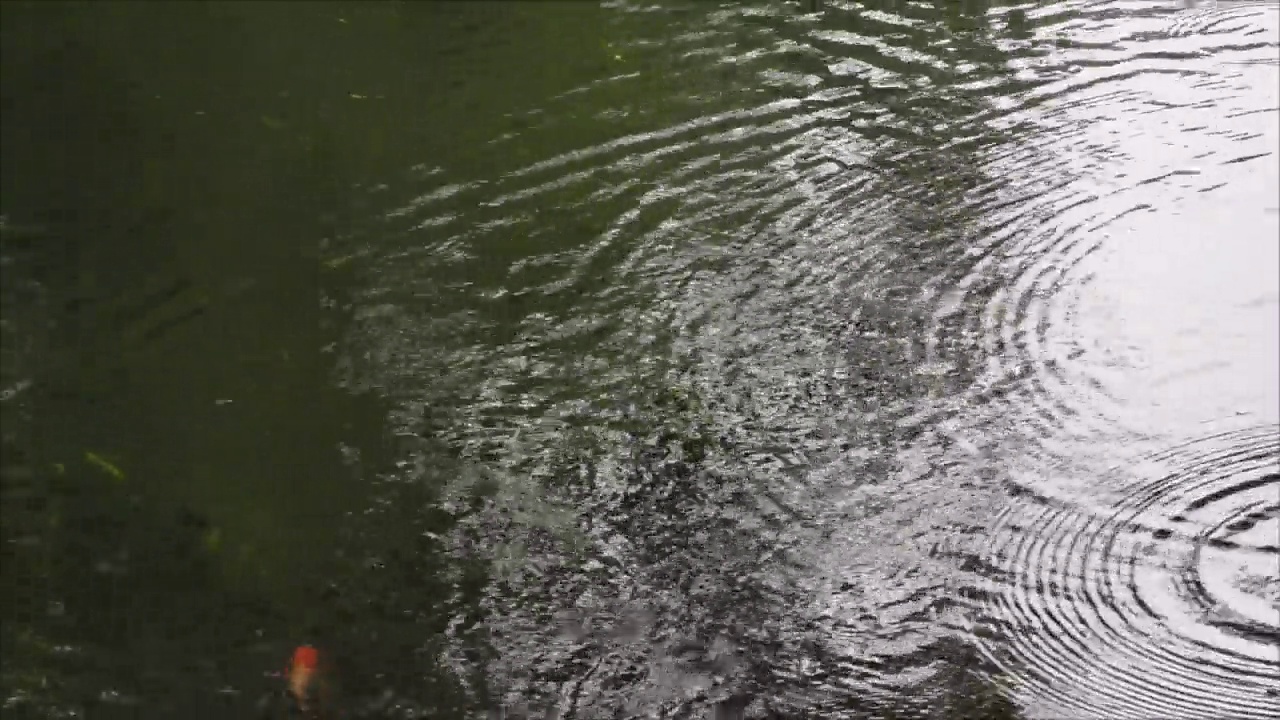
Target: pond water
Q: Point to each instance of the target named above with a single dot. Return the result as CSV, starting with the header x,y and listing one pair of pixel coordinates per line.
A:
x,y
873,359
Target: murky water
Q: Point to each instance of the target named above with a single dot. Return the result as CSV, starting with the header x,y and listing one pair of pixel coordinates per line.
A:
x,y
669,360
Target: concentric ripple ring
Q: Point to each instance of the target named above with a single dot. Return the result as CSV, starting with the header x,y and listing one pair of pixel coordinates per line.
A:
x,y
1169,599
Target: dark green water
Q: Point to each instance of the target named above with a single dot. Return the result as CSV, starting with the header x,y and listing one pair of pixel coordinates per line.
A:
x,y
765,360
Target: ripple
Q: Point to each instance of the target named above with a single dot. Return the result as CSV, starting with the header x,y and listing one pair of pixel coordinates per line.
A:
x,y
1218,17
1106,153
837,231
1164,598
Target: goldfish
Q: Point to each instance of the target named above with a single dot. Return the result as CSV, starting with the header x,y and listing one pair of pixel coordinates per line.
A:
x,y
307,688
303,676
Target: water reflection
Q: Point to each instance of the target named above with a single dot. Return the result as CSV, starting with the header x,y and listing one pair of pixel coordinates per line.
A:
x,y
1161,594
796,360
1135,349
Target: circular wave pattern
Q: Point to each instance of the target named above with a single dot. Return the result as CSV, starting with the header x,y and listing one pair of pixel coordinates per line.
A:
x,y
840,230
1169,600
1037,295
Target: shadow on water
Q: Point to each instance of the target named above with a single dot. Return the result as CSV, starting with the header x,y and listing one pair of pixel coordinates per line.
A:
x,y
173,485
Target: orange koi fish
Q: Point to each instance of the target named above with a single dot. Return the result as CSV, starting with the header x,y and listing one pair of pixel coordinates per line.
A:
x,y
307,684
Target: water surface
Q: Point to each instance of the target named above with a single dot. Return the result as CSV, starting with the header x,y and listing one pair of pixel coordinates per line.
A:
x,y
874,359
